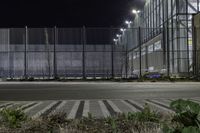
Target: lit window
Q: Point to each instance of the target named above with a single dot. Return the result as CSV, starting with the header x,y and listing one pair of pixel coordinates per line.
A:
x,y
143,51
150,49
158,46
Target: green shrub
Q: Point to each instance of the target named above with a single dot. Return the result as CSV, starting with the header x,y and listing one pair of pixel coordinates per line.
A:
x,y
186,119
187,112
146,115
12,118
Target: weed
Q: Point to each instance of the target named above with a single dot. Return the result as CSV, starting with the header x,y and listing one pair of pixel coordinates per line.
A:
x,y
12,117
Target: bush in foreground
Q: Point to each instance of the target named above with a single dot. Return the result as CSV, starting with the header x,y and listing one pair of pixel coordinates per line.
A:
x,y
12,118
186,119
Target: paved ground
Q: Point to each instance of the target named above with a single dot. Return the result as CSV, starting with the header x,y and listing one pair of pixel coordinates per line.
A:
x,y
77,91
98,108
100,99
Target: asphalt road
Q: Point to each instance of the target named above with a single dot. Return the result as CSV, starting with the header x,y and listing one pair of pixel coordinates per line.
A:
x,y
10,91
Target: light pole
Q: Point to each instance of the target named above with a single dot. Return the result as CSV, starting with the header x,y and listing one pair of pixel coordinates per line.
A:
x,y
115,41
128,23
119,37
136,12
123,31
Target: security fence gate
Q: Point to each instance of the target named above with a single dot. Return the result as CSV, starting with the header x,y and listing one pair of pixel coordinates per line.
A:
x,y
98,52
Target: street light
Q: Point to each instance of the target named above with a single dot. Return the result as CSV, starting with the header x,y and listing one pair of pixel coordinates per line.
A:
x,y
118,35
119,38
115,40
122,29
128,23
135,11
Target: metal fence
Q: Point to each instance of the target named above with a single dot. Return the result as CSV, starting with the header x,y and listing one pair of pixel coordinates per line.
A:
x,y
169,51
60,52
92,53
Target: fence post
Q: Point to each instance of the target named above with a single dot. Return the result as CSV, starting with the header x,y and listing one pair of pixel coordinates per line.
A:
x,y
132,54
126,39
25,52
112,54
168,53
9,55
194,50
140,50
83,52
54,50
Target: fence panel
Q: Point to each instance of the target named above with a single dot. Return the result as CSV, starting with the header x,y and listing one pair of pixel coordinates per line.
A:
x,y
98,52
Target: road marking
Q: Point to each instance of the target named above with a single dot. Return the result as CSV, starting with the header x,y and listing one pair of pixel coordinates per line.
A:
x,y
86,109
72,113
195,100
115,108
79,112
9,106
135,105
104,110
6,105
23,107
160,105
59,108
130,106
110,109
51,109
78,109
44,110
29,109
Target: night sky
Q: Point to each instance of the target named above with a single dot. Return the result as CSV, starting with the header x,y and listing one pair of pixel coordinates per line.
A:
x,y
66,13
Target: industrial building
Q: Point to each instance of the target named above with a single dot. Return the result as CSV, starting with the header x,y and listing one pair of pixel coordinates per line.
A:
x,y
163,38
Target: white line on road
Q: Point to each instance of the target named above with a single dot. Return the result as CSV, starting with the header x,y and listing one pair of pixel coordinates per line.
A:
x,y
26,105
86,108
61,105
158,106
5,105
130,106
115,108
28,109
104,109
44,110
162,103
72,113
59,108
136,103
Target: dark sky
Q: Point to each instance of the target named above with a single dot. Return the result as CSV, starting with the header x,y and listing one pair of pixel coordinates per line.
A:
x,y
66,13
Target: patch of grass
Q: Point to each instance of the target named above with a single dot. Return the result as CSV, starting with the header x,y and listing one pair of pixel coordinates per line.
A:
x,y
12,118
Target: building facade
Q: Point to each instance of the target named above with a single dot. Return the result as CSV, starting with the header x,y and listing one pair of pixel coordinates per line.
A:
x,y
162,38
